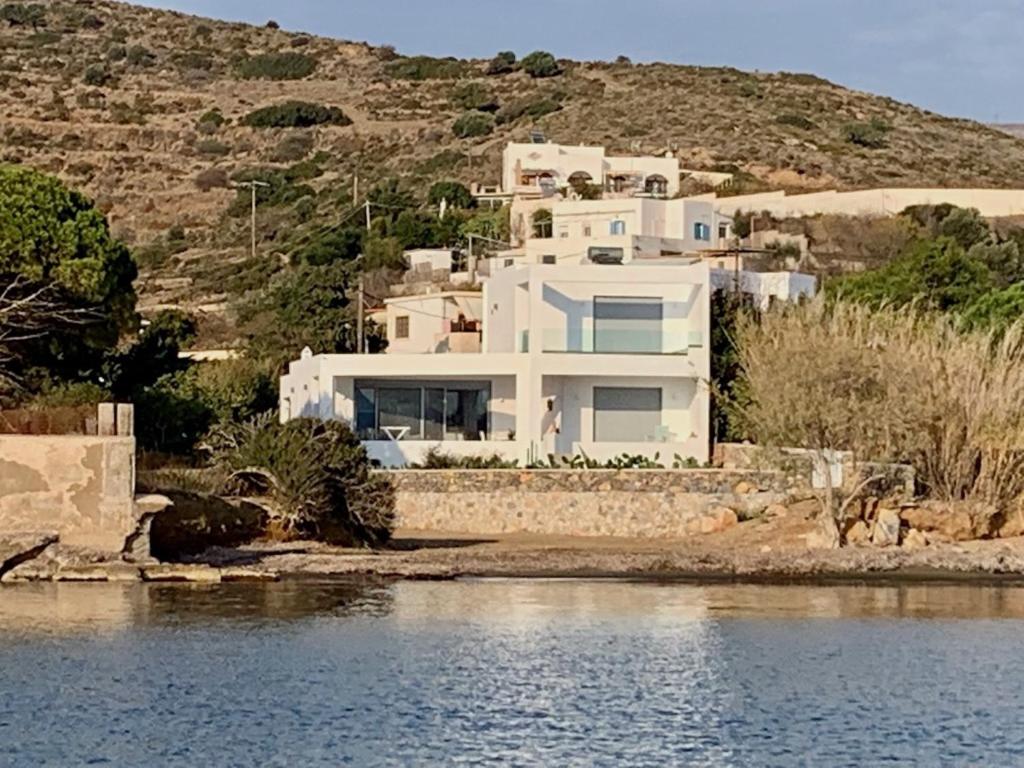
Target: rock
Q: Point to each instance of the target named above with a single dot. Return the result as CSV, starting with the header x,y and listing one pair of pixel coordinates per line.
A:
x,y
147,507
192,573
915,539
1013,524
241,573
959,521
886,531
805,508
113,572
858,533
825,534
743,488
776,510
766,550
18,548
719,519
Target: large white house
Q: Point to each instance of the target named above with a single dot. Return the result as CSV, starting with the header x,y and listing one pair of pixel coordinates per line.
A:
x,y
588,358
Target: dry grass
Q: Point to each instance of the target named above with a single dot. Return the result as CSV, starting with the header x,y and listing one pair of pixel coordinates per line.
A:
x,y
891,385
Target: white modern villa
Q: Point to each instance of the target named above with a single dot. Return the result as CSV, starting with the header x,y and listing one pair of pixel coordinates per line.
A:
x,y
601,359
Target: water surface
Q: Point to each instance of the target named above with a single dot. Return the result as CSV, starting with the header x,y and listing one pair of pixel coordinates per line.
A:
x,y
558,673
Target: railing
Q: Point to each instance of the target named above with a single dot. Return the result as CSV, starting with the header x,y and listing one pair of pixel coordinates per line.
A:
x,y
619,341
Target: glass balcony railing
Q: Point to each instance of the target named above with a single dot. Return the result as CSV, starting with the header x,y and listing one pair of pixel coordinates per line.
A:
x,y
619,341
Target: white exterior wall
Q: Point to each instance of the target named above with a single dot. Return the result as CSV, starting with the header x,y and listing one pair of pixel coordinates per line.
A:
x,y
874,202
429,317
765,287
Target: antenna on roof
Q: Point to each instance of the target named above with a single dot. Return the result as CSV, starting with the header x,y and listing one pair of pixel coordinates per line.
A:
x,y
538,137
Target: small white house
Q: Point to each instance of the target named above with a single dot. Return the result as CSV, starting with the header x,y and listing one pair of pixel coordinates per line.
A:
x,y
432,323
594,359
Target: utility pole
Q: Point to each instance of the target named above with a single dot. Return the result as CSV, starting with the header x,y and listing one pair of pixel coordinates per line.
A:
x,y
355,189
360,311
368,216
253,185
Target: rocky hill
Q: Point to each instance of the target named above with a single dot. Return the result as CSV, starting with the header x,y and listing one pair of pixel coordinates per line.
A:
x,y
152,113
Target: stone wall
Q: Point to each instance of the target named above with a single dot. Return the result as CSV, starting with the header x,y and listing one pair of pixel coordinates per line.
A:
x,y
630,503
79,487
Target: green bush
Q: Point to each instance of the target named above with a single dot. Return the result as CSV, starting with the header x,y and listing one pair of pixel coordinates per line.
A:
x,y
18,15
474,96
295,114
426,68
540,64
535,108
315,474
117,53
870,135
96,75
212,178
140,56
293,148
502,64
797,121
435,458
193,60
473,124
289,65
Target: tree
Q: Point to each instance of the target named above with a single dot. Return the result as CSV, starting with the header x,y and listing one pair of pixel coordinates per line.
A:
x,y
475,96
155,353
305,306
457,195
72,279
541,64
935,274
997,310
473,124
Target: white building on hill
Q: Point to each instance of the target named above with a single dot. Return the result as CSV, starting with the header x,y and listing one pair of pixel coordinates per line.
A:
x,y
594,359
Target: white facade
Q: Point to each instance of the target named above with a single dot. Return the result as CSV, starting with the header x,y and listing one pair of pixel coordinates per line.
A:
x,y
601,360
544,168
433,323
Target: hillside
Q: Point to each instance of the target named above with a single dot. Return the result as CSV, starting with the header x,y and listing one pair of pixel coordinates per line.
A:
x,y
118,99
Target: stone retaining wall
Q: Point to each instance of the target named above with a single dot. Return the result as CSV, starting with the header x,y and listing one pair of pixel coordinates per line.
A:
x,y
630,503
80,488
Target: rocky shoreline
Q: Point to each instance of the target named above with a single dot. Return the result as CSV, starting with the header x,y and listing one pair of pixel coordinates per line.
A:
x,y
426,556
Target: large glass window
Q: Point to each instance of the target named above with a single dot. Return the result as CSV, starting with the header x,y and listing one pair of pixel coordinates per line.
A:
x,y
400,412
628,324
626,414
428,411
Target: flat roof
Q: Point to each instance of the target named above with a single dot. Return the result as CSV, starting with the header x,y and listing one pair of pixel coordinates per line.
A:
x,y
438,295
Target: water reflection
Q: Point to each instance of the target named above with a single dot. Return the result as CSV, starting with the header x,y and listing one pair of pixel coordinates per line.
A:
x,y
68,607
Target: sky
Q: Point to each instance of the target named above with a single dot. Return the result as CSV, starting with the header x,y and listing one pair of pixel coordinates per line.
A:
x,y
955,57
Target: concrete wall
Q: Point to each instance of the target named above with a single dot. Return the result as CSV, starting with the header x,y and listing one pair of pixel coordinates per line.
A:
x,y
640,503
80,487
875,202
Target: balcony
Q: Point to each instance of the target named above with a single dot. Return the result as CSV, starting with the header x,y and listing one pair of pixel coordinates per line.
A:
x,y
612,341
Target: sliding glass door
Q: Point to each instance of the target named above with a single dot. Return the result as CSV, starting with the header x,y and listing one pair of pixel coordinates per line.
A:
x,y
387,410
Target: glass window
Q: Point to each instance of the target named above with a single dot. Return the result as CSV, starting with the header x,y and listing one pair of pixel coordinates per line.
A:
x,y
617,227
701,231
466,414
548,259
402,327
400,408
626,414
433,414
628,324
366,413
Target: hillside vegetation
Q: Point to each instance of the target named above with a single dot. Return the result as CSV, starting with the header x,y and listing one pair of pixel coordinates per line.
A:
x,y
155,114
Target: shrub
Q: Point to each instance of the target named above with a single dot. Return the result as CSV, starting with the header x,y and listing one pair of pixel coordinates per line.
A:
x,y
140,56
473,124
210,122
425,68
870,135
540,64
797,121
890,385
193,60
96,75
502,64
435,458
474,96
18,15
293,148
117,53
289,65
315,476
295,114
531,107
212,178
212,148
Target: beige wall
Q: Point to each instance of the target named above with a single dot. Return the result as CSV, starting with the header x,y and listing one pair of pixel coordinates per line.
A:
x,y
640,503
874,202
82,488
